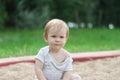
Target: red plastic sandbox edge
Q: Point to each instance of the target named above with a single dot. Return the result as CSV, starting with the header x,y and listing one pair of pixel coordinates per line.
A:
x,y
77,57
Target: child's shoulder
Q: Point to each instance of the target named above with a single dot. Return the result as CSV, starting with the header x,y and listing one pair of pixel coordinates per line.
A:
x,y
66,53
44,50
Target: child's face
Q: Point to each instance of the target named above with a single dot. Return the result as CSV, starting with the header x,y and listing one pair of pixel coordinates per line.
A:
x,y
56,38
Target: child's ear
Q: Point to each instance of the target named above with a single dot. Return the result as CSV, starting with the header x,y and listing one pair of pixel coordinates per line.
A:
x,y
45,38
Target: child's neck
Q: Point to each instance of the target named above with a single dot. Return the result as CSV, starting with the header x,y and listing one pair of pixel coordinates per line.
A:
x,y
54,51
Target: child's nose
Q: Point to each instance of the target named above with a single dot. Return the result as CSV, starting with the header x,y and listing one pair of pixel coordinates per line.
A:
x,y
57,39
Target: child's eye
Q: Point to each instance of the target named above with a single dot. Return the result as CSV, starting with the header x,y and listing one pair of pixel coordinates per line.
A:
x,y
61,36
53,36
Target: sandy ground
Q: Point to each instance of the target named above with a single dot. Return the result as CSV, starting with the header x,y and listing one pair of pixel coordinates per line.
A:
x,y
102,69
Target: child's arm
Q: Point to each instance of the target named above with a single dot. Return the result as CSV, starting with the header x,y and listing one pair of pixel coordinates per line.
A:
x,y
38,70
67,75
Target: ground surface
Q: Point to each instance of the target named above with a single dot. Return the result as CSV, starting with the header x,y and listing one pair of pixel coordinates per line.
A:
x,y
102,69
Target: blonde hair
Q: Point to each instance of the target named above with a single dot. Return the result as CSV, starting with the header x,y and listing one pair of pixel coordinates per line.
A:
x,y
59,24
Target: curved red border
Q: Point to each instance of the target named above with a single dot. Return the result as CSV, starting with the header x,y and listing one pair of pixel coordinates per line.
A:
x,y
88,58
14,62
77,57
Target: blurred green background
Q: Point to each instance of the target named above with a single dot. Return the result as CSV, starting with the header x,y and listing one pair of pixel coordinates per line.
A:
x,y
94,25
35,13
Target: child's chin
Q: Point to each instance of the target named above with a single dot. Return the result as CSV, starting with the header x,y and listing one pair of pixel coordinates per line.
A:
x,y
58,47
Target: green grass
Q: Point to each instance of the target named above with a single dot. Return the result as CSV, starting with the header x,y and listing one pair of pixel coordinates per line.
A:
x,y
28,42
83,40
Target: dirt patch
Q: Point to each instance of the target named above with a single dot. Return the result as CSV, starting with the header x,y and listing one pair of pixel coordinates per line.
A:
x,y
102,69
20,71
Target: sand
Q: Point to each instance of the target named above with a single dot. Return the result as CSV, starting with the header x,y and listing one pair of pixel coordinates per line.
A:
x,y
102,69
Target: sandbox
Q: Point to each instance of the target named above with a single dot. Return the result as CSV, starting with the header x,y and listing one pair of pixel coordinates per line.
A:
x,y
103,65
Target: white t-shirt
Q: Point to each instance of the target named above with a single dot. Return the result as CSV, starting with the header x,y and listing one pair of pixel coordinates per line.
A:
x,y
52,69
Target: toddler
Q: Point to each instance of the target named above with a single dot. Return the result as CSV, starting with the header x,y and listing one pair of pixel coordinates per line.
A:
x,y
53,62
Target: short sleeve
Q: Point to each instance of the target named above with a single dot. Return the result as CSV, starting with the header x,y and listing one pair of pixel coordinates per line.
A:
x,y
42,53
40,56
69,64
